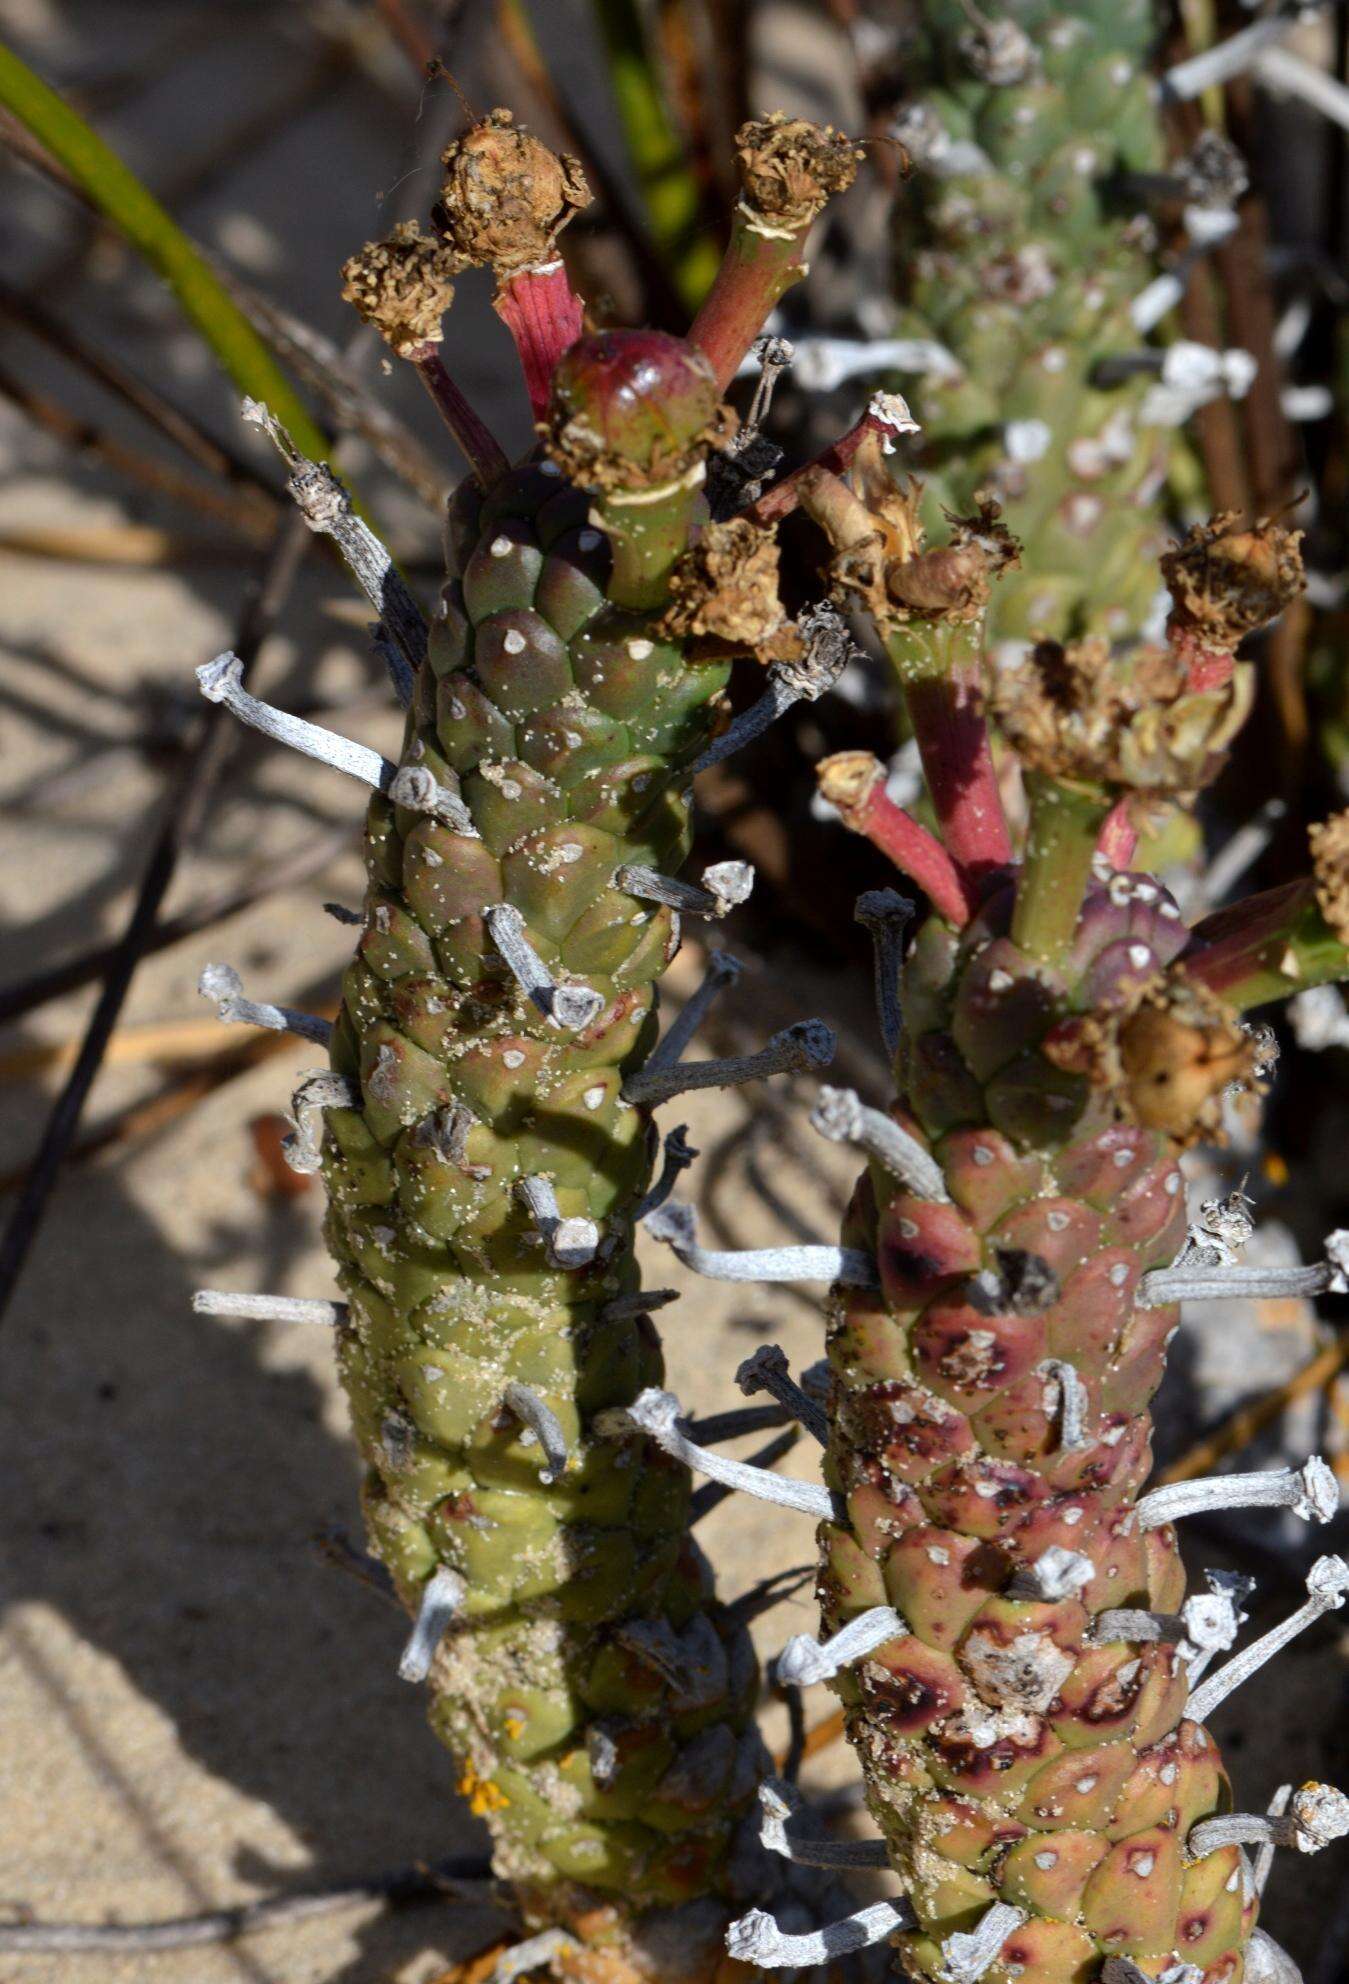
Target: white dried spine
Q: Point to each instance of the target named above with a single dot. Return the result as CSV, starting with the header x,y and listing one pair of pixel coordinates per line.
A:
x,y
677,1226
223,985
658,1414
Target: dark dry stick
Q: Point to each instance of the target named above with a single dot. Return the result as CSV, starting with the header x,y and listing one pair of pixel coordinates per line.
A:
x,y
186,805
286,873
246,511
457,1880
146,400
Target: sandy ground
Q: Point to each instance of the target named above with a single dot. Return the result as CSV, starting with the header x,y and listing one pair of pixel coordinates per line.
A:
x,y
197,1709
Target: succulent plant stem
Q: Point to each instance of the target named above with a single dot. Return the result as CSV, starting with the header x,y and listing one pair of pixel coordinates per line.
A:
x,y
544,316
478,445
647,530
759,266
854,782
1065,826
1266,947
939,667
886,414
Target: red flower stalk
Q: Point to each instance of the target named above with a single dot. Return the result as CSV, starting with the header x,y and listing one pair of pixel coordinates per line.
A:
x,y
854,782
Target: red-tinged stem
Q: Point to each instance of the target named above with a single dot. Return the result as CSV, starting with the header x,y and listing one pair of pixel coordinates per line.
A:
x,y
854,781
785,496
1206,668
943,692
756,271
1266,948
544,315
481,449
1119,837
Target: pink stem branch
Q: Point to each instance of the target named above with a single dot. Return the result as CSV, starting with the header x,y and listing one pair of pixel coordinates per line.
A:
x,y
479,446
854,781
544,316
886,415
947,714
1119,837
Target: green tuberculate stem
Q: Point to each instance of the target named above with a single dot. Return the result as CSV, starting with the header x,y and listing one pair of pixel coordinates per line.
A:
x,y
1065,824
116,191
669,190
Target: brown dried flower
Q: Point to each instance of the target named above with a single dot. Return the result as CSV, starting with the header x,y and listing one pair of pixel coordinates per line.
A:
x,y
724,595
403,286
1131,720
790,168
1329,842
1226,582
879,547
506,196
1166,1054
847,779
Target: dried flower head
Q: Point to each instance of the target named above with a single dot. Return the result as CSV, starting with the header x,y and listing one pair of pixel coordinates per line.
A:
x,y
725,596
506,196
1226,582
1082,711
1165,1055
880,553
403,286
790,168
1329,842
847,779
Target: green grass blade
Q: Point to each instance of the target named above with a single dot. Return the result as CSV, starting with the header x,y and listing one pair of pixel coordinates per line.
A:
x,y
656,149
118,193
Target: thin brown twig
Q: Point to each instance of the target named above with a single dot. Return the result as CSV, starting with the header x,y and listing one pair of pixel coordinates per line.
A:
x,y
129,1046
176,425
185,806
289,871
171,1102
246,511
458,1880
818,1737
